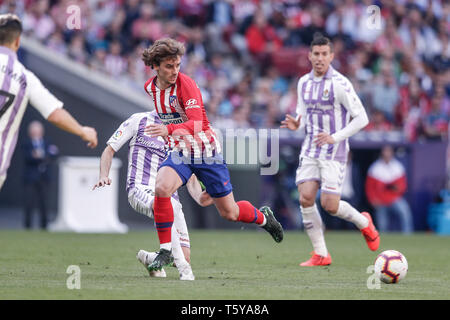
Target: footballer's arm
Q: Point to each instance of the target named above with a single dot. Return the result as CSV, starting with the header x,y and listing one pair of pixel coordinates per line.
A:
x,y
105,166
64,120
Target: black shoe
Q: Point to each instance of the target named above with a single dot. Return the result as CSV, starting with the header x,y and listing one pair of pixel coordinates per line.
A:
x,y
272,225
163,259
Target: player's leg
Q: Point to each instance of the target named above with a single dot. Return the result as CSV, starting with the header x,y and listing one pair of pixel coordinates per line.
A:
x,y
167,182
245,212
312,222
180,226
140,198
172,174
333,204
214,174
308,183
333,173
181,243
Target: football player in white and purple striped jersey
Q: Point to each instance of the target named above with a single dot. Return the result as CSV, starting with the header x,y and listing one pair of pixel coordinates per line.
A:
x,y
144,159
18,86
330,111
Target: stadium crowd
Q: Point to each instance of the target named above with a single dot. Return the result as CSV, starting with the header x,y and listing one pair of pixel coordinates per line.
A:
x,y
247,55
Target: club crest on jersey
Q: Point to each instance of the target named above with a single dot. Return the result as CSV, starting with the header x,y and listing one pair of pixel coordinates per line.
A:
x,y
173,101
326,95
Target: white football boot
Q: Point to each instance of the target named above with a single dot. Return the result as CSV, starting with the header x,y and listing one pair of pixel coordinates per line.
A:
x,y
146,258
185,271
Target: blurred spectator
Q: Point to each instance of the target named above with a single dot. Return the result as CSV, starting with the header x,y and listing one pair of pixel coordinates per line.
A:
x,y
38,154
261,38
378,122
414,104
115,64
77,48
56,43
147,26
385,95
37,21
385,186
435,124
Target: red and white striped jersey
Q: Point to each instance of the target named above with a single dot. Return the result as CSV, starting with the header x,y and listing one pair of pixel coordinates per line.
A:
x,y
181,109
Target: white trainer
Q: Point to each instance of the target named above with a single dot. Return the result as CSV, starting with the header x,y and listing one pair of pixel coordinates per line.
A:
x,y
186,273
146,258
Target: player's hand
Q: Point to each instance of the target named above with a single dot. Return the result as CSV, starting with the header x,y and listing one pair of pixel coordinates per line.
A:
x,y
155,130
103,181
290,122
90,135
323,138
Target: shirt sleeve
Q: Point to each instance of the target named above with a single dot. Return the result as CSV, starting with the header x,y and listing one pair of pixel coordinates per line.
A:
x,y
39,97
192,103
123,134
301,106
347,96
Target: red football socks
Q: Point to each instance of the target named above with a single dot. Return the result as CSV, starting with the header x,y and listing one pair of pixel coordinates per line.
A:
x,y
249,214
163,213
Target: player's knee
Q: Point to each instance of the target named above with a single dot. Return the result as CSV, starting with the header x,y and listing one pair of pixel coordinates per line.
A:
x,y
307,201
229,214
162,190
330,207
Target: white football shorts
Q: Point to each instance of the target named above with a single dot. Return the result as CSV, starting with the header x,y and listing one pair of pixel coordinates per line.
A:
x,y
329,173
141,197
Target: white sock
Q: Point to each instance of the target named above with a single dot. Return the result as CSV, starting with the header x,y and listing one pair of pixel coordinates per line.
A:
x,y
177,252
348,213
312,223
167,246
264,222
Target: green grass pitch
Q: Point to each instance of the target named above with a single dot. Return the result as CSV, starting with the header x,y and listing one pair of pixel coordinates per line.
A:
x,y
242,264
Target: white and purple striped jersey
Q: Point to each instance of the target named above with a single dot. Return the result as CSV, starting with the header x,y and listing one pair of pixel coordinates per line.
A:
x,y
18,86
145,153
326,105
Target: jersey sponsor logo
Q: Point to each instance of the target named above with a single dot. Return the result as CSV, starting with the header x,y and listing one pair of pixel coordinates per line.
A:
x,y
191,102
192,107
170,118
151,143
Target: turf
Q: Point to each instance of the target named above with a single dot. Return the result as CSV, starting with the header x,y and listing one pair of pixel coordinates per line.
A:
x,y
240,265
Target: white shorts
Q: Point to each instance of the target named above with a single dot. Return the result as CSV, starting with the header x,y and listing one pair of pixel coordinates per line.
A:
x,y
329,173
141,197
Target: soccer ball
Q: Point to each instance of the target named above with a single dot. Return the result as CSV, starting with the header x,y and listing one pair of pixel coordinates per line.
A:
x,y
391,266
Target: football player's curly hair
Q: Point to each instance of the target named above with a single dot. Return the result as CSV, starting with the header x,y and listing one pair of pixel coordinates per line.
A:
x,y
162,49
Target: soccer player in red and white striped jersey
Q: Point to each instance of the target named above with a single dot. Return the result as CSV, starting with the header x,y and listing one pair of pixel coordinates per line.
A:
x,y
195,149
